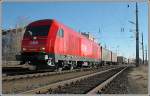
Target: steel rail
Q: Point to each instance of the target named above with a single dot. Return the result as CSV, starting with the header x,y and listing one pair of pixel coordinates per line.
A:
x,y
16,77
45,89
105,83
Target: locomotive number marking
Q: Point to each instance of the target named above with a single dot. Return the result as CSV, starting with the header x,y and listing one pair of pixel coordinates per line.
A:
x,y
34,42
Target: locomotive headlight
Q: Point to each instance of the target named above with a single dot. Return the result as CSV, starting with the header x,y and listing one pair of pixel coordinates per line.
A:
x,y
24,49
42,48
34,38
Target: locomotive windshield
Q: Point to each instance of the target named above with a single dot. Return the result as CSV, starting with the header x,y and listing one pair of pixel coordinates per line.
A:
x,y
37,31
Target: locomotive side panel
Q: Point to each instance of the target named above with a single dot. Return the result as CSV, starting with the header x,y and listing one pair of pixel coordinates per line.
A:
x,y
96,51
67,44
56,41
71,42
86,48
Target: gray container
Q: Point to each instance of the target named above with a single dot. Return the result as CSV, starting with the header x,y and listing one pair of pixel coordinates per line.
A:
x,y
122,60
106,55
114,57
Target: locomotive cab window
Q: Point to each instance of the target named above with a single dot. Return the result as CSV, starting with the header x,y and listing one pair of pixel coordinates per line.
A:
x,y
60,33
37,30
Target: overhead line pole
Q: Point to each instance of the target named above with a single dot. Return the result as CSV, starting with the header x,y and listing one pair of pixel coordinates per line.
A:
x,y
137,37
146,55
142,48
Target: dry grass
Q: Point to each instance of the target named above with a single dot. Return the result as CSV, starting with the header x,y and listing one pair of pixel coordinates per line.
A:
x,y
138,79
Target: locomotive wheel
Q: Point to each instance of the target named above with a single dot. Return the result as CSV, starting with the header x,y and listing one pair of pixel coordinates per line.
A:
x,y
70,67
59,69
22,62
37,65
59,66
32,68
49,63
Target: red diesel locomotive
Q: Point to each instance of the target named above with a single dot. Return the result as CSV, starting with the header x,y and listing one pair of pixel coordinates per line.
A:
x,y
51,43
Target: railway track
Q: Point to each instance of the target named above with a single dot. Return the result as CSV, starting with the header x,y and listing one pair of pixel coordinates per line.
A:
x,y
88,84
12,71
40,73
22,83
24,73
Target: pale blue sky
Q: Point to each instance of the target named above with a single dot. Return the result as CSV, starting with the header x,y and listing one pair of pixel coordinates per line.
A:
x,y
110,17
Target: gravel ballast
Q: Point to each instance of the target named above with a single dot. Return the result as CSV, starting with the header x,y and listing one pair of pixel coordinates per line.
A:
x,y
131,81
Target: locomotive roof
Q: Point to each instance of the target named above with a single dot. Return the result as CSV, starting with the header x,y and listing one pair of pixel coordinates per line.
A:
x,y
42,20
61,24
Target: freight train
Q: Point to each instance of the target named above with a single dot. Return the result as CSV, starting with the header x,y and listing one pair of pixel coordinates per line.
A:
x,y
122,60
49,43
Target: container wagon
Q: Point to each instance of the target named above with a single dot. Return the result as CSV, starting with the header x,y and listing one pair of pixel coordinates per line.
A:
x,y
122,60
114,58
